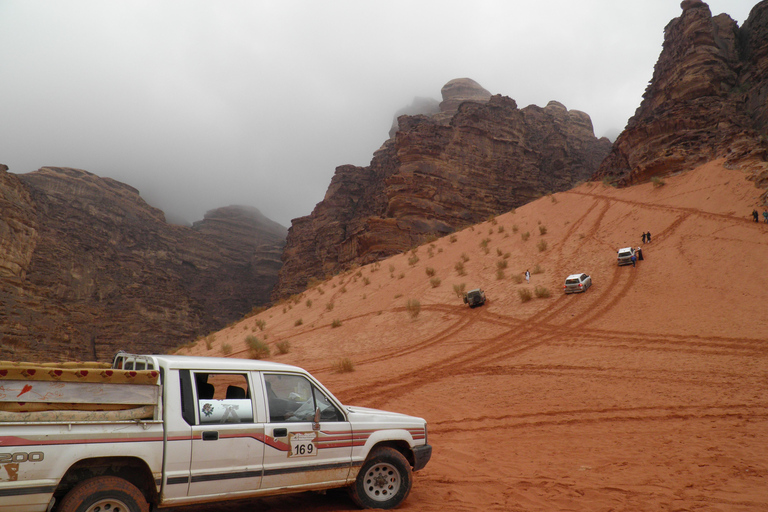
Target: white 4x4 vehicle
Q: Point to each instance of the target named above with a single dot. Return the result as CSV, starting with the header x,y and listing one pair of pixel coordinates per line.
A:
x,y
157,431
625,255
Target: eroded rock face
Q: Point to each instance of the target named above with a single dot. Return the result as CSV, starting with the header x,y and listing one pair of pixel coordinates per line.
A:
x,y
94,269
708,98
440,173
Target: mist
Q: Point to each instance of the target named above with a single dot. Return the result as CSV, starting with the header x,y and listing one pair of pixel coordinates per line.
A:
x,y
203,104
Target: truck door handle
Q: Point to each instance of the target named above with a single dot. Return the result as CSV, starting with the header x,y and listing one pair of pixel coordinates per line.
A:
x,y
210,435
280,432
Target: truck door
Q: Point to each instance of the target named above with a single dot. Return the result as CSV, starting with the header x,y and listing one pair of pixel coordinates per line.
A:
x,y
227,448
300,452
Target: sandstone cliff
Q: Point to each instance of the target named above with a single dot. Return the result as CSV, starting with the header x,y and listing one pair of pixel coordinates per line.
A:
x,y
479,156
88,268
708,98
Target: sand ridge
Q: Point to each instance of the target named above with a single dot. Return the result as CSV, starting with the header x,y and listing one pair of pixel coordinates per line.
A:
x,y
647,392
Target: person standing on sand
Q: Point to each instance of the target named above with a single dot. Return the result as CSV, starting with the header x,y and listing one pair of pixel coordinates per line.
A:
x,y
643,237
755,215
648,236
765,215
527,277
634,260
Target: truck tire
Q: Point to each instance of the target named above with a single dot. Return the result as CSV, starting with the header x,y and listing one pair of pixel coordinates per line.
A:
x,y
104,493
384,480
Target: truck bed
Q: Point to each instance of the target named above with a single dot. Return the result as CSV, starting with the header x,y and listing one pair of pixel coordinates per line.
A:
x,y
66,392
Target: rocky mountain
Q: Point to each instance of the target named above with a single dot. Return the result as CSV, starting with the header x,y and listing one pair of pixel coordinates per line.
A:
x,y
479,156
708,98
87,268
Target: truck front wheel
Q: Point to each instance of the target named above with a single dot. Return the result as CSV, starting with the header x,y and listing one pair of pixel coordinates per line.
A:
x,y
102,494
384,480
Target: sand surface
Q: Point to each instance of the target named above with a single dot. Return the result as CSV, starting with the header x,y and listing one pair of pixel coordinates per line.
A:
x,y
648,392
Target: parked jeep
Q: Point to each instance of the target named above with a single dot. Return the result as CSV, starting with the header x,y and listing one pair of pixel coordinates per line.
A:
x,y
474,297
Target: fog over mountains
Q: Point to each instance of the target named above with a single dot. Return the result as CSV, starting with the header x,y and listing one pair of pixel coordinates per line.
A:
x,y
203,104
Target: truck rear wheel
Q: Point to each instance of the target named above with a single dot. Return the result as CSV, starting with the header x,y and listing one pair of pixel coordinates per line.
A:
x,y
104,494
384,480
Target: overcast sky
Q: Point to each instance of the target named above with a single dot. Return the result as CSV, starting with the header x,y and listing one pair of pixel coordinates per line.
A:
x,y
203,104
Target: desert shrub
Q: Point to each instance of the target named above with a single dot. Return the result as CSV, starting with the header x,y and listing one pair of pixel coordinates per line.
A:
x,y
537,269
309,303
391,268
226,349
514,228
343,289
502,264
435,282
398,295
517,278
430,271
492,220
261,324
459,266
336,323
501,229
525,236
542,245
298,322
283,347
329,306
366,281
464,257
507,255
413,307
542,230
524,294
458,289
499,252
500,274
484,242
413,260
209,341
453,238
320,290
344,365
657,182
257,349
541,292
401,275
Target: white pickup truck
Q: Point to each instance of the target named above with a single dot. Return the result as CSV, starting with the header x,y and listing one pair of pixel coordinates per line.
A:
x,y
157,431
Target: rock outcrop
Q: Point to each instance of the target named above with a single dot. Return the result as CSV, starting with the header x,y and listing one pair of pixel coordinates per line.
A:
x,y
89,268
708,98
476,158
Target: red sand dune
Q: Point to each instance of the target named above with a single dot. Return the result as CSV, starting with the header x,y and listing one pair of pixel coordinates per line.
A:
x,y
648,392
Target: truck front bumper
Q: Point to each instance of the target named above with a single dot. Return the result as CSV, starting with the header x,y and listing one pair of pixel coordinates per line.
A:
x,y
421,455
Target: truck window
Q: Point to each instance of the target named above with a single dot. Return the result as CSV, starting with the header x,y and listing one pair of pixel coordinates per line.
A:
x,y
293,398
223,398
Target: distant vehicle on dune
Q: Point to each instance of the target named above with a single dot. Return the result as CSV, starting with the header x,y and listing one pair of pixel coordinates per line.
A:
x,y
474,297
576,283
